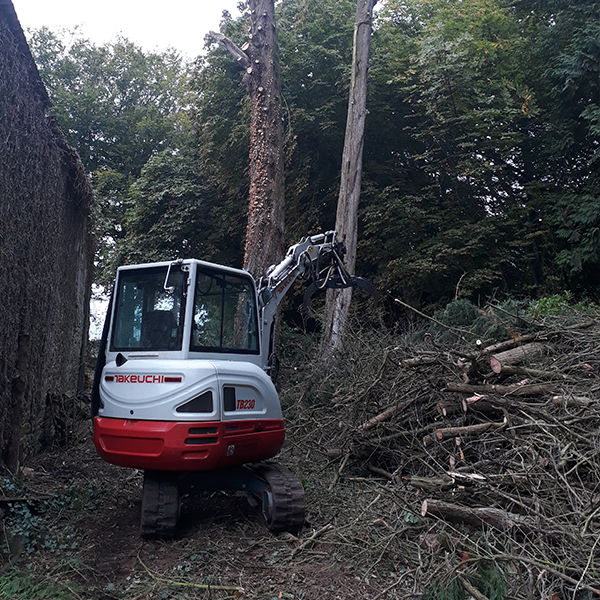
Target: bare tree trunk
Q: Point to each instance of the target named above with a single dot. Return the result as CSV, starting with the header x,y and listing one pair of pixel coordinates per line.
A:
x,y
264,233
346,223
260,60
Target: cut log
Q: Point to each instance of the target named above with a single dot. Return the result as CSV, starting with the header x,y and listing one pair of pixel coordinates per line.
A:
x,y
454,432
448,432
572,401
477,517
526,372
506,345
430,483
381,472
515,356
383,416
417,362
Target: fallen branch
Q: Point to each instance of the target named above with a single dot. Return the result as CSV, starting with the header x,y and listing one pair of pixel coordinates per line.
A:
x,y
477,517
199,586
339,472
430,483
308,541
572,401
386,414
501,390
542,566
517,316
526,372
471,589
453,432
417,362
543,414
460,331
508,344
379,471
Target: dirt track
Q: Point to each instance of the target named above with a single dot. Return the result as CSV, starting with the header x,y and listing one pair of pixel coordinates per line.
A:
x,y
89,542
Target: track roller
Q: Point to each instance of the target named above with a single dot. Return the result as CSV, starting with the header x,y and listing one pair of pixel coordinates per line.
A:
x,y
160,505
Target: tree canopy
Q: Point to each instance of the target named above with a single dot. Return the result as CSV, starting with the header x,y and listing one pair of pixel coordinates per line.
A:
x,y
481,170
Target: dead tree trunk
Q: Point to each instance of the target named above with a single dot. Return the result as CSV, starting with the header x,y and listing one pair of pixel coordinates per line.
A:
x,y
346,223
260,60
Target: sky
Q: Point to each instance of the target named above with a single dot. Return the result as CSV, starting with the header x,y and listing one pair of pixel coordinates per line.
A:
x,y
178,24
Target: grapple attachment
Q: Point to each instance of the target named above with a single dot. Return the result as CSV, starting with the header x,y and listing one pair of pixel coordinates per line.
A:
x,y
335,277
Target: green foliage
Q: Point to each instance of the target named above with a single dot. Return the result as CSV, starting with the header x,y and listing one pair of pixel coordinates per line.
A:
x,y
492,581
33,527
480,173
556,304
118,106
173,213
115,103
489,579
450,591
21,585
461,319
459,313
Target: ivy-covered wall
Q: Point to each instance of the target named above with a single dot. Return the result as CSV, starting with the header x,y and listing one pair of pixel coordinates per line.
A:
x,y
46,258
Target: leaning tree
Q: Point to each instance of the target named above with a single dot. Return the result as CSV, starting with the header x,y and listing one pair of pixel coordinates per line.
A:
x,y
346,222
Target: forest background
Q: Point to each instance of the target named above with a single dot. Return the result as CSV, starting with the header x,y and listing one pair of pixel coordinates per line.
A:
x,y
480,183
481,167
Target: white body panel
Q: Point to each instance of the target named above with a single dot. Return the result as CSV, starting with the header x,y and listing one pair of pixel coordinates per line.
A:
x,y
137,390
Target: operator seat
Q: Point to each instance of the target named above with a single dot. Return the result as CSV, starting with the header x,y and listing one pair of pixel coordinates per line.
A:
x,y
160,331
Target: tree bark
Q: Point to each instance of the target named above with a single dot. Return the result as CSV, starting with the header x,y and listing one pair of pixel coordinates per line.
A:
x,y
385,415
450,432
501,390
515,356
506,345
477,517
346,224
266,212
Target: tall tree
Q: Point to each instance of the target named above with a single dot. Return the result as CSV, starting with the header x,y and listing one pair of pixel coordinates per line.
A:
x,y
346,223
118,106
260,60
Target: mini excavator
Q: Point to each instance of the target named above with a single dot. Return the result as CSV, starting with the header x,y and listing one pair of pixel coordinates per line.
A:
x,y
184,390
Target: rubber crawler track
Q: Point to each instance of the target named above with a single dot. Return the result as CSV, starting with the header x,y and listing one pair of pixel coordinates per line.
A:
x,y
286,504
160,506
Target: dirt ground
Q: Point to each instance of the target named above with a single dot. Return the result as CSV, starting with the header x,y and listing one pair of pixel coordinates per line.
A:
x,y
84,536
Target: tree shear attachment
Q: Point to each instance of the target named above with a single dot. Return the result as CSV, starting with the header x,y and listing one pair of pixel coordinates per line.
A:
x,y
336,278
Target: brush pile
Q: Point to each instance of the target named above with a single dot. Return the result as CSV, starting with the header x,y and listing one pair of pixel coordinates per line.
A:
x,y
461,460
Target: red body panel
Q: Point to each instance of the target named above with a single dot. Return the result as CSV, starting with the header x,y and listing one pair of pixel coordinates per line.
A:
x,y
186,446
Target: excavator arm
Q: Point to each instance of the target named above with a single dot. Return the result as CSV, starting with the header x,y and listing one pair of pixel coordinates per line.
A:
x,y
318,258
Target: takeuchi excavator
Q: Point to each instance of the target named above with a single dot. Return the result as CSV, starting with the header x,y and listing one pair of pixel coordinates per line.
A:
x,y
183,388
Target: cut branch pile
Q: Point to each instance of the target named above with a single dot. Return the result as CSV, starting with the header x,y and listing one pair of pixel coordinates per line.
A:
x,y
489,450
